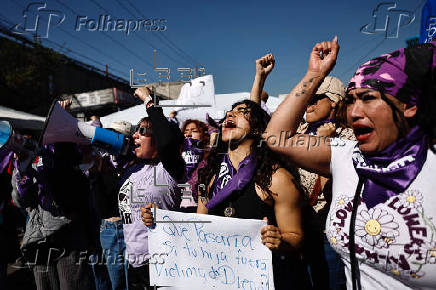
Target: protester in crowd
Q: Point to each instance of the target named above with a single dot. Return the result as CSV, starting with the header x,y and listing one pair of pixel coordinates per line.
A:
x,y
213,132
321,121
193,151
196,140
244,179
9,247
381,220
104,181
313,245
157,147
56,196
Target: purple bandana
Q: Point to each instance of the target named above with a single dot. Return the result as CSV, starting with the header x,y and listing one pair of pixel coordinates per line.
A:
x,y
192,155
393,170
313,127
399,73
96,123
230,180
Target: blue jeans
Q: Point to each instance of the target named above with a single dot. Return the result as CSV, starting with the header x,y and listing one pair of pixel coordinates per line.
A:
x,y
338,280
113,245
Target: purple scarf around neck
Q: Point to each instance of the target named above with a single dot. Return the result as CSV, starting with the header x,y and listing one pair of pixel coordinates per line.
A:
x,y
230,180
313,127
394,169
192,155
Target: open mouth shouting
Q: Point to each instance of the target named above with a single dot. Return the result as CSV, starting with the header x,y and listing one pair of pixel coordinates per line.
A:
x,y
136,145
362,132
229,124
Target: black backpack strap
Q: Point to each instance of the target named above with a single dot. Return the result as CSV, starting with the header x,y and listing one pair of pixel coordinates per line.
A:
x,y
355,274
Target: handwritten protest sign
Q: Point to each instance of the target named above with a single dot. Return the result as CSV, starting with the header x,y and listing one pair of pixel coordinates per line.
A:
x,y
226,253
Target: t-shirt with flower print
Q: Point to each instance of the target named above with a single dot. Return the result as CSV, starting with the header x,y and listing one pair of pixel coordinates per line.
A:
x,y
395,240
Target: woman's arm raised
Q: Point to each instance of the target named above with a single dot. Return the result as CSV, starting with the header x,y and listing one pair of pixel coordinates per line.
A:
x,y
309,152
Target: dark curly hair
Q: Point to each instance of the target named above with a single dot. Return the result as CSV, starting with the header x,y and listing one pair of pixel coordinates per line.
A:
x,y
267,161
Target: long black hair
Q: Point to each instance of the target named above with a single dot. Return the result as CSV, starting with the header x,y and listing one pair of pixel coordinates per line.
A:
x,y
267,161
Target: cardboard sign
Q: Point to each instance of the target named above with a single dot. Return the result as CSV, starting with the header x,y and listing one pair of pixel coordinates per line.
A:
x,y
222,253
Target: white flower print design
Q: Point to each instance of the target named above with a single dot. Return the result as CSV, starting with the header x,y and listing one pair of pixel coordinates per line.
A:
x,y
411,199
398,273
430,252
336,237
342,201
376,227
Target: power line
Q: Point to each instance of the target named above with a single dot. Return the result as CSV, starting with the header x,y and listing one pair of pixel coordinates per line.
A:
x,y
84,43
4,19
375,47
107,36
166,38
362,58
145,41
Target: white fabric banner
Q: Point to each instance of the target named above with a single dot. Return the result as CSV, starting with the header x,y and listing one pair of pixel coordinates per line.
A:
x,y
226,253
200,91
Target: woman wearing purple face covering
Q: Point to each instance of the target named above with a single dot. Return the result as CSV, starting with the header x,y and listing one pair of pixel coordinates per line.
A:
x,y
193,152
383,212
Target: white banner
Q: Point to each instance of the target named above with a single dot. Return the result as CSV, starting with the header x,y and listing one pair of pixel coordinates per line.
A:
x,y
199,92
225,253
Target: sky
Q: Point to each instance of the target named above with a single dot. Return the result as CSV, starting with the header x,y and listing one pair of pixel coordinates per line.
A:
x,y
224,37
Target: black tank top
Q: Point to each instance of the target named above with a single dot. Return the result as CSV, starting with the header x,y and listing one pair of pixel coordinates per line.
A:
x,y
245,204
290,272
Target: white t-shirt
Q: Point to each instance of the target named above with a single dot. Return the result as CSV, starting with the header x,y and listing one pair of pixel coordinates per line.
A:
x,y
396,240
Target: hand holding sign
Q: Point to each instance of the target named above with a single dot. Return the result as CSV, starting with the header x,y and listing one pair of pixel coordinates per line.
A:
x,y
147,215
271,236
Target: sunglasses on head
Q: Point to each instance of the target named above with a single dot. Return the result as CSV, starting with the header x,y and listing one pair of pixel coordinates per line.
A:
x,y
144,131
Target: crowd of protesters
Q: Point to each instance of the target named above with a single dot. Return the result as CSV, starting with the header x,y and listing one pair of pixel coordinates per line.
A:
x,y
346,190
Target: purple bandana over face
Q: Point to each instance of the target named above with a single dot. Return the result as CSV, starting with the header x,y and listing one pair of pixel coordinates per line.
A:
x,y
399,73
192,155
230,180
393,170
313,127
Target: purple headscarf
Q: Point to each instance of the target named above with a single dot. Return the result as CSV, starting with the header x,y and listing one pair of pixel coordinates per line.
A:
x,y
402,74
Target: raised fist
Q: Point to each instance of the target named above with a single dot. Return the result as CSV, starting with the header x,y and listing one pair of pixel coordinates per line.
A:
x,y
326,130
142,93
265,65
323,57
